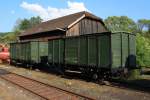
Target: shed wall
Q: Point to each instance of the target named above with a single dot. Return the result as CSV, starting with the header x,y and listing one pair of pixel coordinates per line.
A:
x,y
86,26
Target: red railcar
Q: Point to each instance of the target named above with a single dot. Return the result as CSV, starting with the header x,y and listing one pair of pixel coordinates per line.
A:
x,y
4,54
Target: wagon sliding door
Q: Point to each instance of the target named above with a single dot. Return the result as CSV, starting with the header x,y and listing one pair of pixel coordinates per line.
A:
x,y
104,55
43,52
56,51
83,52
116,50
125,49
92,51
71,51
132,51
34,52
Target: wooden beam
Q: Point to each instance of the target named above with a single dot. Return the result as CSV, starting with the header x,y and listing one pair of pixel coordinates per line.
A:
x,y
76,21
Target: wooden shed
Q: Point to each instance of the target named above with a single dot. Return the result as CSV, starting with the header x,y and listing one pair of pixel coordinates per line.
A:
x,y
71,25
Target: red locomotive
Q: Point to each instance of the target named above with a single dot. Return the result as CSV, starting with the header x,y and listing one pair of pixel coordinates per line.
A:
x,y
4,54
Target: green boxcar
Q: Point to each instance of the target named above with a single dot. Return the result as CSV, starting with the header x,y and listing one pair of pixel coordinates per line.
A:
x,y
90,50
123,50
29,52
56,51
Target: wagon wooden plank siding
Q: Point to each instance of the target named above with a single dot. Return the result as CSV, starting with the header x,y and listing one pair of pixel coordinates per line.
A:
x,y
71,25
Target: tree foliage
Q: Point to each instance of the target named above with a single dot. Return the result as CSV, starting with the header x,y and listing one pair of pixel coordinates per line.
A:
x,y
143,50
8,37
144,25
122,23
20,26
24,24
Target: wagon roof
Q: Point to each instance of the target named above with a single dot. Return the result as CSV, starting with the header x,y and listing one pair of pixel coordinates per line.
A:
x,y
61,23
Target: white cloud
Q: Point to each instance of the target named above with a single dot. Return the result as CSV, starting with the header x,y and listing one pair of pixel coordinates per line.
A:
x,y
52,12
35,8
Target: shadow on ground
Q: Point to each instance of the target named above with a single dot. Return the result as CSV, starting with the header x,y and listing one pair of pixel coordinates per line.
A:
x,y
141,84
146,71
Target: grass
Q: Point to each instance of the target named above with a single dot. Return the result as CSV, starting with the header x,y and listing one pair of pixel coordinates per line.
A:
x,y
134,74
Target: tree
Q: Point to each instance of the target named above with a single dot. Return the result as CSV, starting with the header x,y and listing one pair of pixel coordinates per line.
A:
x,y
24,24
35,20
122,23
143,25
21,25
142,50
148,26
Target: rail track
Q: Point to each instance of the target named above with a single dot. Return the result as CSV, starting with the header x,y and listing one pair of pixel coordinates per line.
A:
x,y
45,91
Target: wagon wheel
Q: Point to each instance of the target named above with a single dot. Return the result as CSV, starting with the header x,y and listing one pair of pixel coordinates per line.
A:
x,y
95,76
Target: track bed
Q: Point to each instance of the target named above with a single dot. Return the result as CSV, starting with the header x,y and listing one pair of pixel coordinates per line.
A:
x,y
43,90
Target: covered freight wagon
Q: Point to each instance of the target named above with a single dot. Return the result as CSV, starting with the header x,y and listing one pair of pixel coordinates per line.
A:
x,y
87,53
98,54
95,54
30,52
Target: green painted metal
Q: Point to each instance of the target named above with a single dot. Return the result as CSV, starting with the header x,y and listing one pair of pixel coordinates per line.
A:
x,y
30,52
83,57
12,51
92,52
18,51
50,51
24,54
61,51
104,55
132,51
116,50
88,51
27,53
43,50
71,50
123,50
56,51
34,52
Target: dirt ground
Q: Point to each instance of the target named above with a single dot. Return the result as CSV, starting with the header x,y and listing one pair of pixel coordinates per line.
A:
x,y
9,91
101,92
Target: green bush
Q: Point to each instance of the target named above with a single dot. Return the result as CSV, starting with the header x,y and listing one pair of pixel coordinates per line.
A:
x,y
134,74
142,50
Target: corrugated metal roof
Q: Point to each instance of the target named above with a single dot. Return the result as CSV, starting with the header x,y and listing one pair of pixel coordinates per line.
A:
x,y
59,23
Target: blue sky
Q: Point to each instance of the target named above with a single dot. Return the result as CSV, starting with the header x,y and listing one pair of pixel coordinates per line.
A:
x,y
11,10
